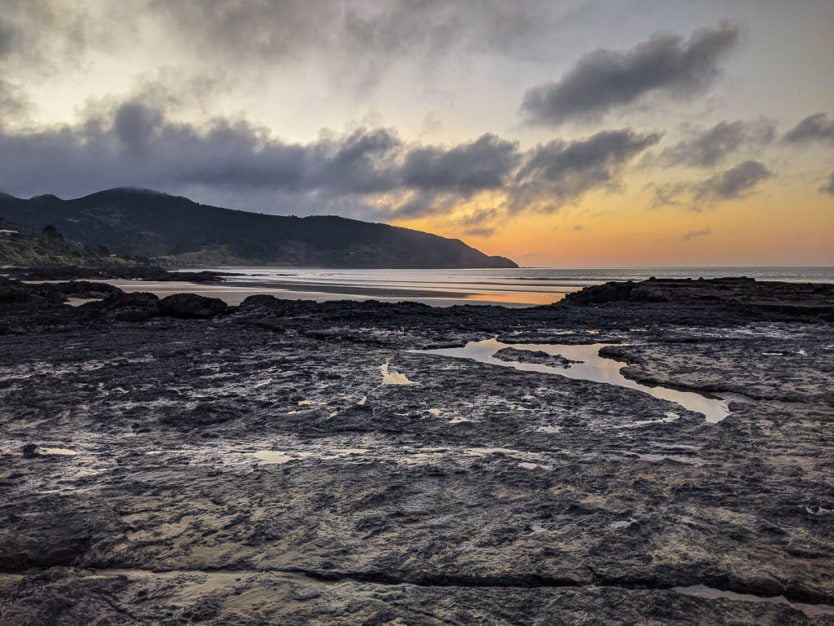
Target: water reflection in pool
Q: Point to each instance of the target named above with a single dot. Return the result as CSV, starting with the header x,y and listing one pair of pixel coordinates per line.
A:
x,y
589,366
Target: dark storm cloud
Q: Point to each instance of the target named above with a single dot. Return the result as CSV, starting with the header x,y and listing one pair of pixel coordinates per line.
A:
x,y
559,172
363,162
134,125
481,164
134,143
828,187
712,146
604,79
817,127
736,182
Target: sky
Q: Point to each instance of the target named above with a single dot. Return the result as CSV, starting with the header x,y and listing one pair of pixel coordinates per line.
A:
x,y
576,133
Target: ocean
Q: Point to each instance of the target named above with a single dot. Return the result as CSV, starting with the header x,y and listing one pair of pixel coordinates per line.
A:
x,y
525,286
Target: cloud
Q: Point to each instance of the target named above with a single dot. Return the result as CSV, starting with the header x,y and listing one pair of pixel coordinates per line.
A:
x,y
350,47
828,187
816,127
369,172
479,223
479,231
290,28
13,103
706,148
694,234
604,80
558,172
734,183
481,164
355,43
136,144
44,36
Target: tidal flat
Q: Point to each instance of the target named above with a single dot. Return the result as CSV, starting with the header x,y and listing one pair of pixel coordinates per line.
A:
x,y
284,461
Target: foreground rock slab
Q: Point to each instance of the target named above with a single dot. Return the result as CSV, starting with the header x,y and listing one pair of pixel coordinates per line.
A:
x,y
253,467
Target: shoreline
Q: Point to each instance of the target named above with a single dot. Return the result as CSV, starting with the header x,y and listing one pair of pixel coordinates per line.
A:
x,y
262,457
518,288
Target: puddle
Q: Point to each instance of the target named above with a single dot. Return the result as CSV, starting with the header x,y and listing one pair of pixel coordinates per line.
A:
x,y
271,456
592,367
669,417
393,377
532,466
58,451
76,302
549,430
279,457
625,523
702,591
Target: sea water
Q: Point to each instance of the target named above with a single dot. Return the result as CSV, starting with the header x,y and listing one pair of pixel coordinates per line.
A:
x,y
526,286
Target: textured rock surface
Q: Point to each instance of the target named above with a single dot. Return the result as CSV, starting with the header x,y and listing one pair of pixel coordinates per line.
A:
x,y
253,468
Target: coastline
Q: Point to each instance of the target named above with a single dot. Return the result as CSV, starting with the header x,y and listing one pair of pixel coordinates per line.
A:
x,y
256,457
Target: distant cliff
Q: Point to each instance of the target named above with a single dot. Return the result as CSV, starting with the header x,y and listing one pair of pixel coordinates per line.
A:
x,y
177,231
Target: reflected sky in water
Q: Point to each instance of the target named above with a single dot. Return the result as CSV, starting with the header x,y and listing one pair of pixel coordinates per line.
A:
x,y
590,366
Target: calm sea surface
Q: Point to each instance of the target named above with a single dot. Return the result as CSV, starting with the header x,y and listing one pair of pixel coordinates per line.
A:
x,y
512,287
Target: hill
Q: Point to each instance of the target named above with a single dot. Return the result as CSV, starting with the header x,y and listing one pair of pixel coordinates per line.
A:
x,y
177,231
22,246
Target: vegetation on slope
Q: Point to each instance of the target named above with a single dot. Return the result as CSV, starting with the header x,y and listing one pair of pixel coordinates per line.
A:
x,y
177,231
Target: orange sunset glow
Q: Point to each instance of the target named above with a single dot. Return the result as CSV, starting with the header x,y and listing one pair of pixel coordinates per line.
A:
x,y
573,134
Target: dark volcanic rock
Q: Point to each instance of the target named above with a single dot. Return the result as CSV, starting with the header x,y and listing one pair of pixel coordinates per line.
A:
x,y
189,305
100,272
745,296
226,472
533,356
132,307
85,289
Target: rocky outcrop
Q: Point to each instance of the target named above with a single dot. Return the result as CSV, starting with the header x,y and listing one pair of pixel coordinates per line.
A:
x,y
192,306
100,272
744,296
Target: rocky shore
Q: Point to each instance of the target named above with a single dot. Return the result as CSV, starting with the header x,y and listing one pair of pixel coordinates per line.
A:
x,y
101,272
178,461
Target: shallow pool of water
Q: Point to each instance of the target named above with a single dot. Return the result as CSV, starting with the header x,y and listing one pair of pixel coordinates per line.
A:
x,y
589,365
702,591
58,451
